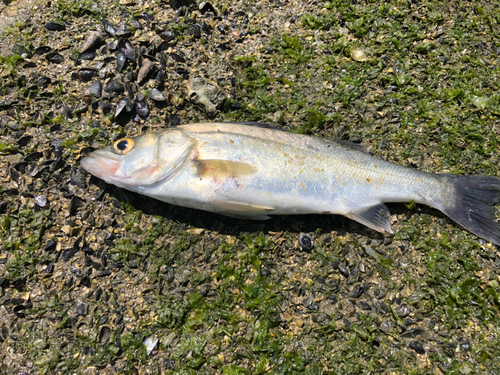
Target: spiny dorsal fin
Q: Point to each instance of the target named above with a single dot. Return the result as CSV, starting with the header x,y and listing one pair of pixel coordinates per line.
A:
x,y
345,144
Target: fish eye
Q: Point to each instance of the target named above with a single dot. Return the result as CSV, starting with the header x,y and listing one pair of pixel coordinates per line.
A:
x,y
123,145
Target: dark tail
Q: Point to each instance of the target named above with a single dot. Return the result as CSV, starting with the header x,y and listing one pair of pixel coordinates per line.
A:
x,y
472,206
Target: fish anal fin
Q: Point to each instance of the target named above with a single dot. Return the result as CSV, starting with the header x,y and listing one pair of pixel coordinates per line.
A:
x,y
247,217
215,168
376,217
235,207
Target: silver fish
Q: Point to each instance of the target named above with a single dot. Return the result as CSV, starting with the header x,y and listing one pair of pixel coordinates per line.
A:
x,y
248,171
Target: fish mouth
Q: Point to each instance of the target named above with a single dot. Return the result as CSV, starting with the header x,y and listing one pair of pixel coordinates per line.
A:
x,y
103,167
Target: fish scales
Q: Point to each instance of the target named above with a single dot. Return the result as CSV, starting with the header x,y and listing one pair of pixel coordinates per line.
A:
x,y
330,172
252,172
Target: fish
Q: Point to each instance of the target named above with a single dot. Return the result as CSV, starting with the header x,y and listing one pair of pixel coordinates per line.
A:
x,y
255,171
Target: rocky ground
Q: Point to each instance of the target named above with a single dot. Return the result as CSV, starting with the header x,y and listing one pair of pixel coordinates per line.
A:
x,y
95,279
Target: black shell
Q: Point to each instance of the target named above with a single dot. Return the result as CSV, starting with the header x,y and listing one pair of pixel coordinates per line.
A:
x,y
54,26
121,59
54,57
42,50
96,89
114,86
110,29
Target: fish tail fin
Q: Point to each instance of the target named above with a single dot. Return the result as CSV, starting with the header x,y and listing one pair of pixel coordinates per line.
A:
x,y
472,205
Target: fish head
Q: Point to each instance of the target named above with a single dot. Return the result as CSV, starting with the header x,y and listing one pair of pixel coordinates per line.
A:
x,y
146,160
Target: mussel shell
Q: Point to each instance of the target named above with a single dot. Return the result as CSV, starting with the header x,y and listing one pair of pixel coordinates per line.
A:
x,y
95,89
223,46
42,50
137,24
54,26
163,46
24,140
156,95
34,156
124,31
119,107
87,56
206,7
106,71
163,60
206,28
132,76
110,29
113,44
166,35
160,76
130,88
126,104
43,82
85,74
176,56
121,59
182,72
114,86
146,17
141,105
150,51
127,48
54,57
130,104
105,106
195,30
58,147
104,334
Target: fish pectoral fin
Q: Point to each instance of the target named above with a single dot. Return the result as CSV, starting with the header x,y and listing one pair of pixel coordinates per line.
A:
x,y
375,217
237,207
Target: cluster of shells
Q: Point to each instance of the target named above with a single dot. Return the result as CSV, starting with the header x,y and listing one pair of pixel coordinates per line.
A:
x,y
125,69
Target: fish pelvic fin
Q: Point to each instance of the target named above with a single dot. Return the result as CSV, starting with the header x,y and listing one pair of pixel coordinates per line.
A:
x,y
242,210
376,217
472,204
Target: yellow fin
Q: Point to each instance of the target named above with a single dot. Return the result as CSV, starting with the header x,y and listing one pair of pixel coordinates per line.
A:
x,y
235,206
215,168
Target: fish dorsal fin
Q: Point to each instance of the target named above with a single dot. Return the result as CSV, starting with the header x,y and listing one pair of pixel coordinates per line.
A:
x,y
375,217
265,125
345,144
215,168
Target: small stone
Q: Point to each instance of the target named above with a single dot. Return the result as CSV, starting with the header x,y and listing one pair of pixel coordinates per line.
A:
x,y
358,54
